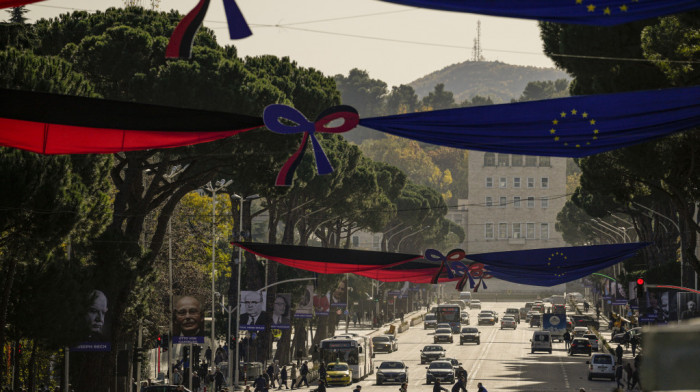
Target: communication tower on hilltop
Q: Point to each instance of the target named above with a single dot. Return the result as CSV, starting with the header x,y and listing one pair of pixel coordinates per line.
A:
x,y
477,54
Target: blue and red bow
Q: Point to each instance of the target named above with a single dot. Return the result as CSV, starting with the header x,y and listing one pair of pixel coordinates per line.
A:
x,y
452,256
274,113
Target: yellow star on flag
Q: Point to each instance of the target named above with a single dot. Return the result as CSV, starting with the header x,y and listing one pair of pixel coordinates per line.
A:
x,y
623,8
592,122
591,8
606,11
556,138
552,131
573,111
596,131
584,115
555,122
579,1
563,114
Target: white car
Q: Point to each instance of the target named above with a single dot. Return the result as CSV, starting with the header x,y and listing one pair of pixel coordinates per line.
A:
x,y
475,304
593,339
601,366
508,322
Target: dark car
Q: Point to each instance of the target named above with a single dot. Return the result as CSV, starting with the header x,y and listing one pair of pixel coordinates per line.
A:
x,y
513,312
585,321
392,371
431,352
459,370
440,370
382,343
469,334
536,320
580,346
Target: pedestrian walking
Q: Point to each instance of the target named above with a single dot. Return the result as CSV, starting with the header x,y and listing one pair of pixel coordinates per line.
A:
x,y
277,372
460,385
635,379
403,387
294,375
437,387
259,383
618,353
567,340
304,371
481,388
322,373
618,376
283,377
634,341
271,375
629,371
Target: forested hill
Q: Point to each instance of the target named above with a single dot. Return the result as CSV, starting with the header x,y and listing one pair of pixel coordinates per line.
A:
x,y
502,82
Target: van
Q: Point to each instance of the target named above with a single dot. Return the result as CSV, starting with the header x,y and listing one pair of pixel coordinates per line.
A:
x,y
578,332
461,303
541,341
601,366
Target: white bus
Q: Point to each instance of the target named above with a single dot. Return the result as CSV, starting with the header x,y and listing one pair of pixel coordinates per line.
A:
x,y
356,351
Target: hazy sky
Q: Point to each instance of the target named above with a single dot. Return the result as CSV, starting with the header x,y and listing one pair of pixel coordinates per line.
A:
x,y
394,43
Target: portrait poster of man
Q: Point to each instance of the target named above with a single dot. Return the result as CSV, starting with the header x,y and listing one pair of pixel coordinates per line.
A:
x,y
188,320
253,314
281,311
305,307
322,304
688,306
339,295
95,325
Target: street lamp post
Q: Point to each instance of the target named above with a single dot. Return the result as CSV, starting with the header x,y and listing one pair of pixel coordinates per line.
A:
x,y
238,297
398,247
221,184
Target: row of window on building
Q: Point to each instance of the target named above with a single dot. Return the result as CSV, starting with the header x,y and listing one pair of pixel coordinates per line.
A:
x,y
518,201
517,230
493,159
529,182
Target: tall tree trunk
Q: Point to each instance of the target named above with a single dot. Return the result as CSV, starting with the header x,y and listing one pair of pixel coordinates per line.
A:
x,y
10,271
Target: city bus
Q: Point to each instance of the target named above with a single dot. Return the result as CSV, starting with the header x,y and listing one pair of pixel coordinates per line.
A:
x,y
451,314
356,351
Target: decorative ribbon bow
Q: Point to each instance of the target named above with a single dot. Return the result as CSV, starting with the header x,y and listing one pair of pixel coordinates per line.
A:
x,y
474,270
436,255
272,116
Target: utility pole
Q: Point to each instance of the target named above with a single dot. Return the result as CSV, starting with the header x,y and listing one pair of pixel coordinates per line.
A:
x,y
477,54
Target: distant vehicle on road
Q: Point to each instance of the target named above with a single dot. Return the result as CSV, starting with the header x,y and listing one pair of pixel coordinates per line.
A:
x,y
338,373
580,346
555,324
513,312
536,319
583,320
541,341
508,322
486,318
440,370
601,366
431,352
443,335
475,304
593,339
469,334
466,296
450,314
392,371
430,321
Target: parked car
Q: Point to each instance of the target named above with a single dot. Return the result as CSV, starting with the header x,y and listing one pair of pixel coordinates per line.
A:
x,y
338,373
593,339
508,322
541,341
469,334
440,370
475,304
392,371
627,335
431,353
443,335
536,320
486,317
601,366
382,343
513,312
430,321
580,346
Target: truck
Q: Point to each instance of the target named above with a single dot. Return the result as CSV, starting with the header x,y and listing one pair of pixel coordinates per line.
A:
x,y
555,323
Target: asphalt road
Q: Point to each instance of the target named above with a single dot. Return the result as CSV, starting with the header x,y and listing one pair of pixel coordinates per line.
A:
x,y
502,362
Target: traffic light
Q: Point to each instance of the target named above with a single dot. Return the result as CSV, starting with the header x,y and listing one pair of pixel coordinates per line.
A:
x,y
165,341
159,341
641,289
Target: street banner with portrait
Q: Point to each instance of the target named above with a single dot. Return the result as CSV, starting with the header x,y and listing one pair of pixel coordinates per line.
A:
x,y
688,305
305,307
95,325
188,320
281,311
322,304
254,317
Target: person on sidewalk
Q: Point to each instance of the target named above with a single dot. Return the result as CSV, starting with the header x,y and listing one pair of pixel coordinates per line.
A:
x,y
567,340
618,353
322,373
294,375
635,379
481,388
271,375
304,371
634,341
283,378
629,372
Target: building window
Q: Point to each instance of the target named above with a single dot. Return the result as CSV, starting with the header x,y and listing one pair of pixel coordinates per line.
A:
x,y
489,159
503,159
355,241
502,182
530,160
530,231
545,202
545,162
502,231
517,160
516,182
530,202
488,231
516,230
516,201
545,182
376,241
489,201
489,182
544,231
530,182
502,201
